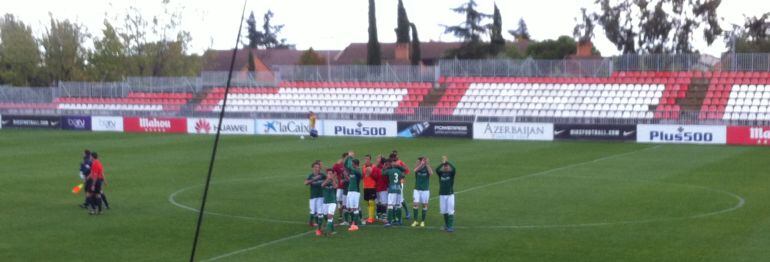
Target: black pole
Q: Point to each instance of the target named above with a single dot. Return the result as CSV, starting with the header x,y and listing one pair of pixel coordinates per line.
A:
x,y
216,139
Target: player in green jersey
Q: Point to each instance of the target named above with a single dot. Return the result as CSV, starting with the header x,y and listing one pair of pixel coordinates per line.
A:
x,y
446,174
314,181
330,200
395,174
421,194
354,191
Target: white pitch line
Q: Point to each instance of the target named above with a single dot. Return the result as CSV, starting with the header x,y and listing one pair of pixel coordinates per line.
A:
x,y
551,170
172,200
258,246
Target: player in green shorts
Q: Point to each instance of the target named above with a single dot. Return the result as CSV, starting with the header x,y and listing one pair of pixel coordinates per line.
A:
x,y
314,181
330,201
421,194
395,174
446,174
354,191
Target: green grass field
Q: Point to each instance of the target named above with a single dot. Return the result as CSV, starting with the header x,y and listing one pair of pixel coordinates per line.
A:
x,y
516,201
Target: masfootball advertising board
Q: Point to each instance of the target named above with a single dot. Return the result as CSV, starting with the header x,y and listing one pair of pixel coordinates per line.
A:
x,y
296,127
681,134
360,128
79,123
435,129
107,123
594,132
748,135
155,125
513,131
230,126
21,121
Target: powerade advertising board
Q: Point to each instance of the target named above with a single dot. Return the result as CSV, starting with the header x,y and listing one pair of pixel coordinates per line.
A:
x,y
435,129
594,132
681,134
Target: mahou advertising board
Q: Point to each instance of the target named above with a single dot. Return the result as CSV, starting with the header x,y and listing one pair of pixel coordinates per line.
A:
x,y
748,135
154,125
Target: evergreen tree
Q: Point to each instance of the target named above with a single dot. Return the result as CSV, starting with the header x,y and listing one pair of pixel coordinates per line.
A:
x,y
254,36
373,56
402,31
471,29
497,42
521,33
416,56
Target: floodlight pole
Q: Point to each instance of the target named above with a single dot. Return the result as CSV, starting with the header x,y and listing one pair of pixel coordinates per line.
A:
x,y
216,138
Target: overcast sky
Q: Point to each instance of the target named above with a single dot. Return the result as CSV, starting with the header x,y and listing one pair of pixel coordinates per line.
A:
x,y
333,24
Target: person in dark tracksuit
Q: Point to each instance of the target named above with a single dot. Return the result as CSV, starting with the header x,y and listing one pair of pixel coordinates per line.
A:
x,y
85,170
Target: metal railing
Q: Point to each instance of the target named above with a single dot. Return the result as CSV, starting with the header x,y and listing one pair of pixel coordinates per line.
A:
x,y
26,94
745,63
527,68
358,73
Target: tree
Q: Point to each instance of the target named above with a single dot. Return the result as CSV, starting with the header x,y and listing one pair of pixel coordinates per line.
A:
x,y
167,56
311,57
471,29
497,42
270,38
553,49
373,56
521,33
753,37
416,56
402,31
254,36
657,26
584,29
19,54
64,57
107,61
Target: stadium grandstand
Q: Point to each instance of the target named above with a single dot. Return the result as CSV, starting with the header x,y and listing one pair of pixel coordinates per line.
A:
x,y
590,91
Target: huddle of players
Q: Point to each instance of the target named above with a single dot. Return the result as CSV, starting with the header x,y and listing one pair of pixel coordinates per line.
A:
x,y
92,174
338,189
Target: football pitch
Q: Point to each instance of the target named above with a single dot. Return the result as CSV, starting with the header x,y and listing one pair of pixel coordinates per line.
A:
x,y
515,201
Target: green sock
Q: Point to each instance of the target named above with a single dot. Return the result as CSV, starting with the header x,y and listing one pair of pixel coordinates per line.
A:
x,y
424,214
406,208
446,219
346,216
398,214
451,220
320,222
330,226
358,217
311,218
390,216
414,211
